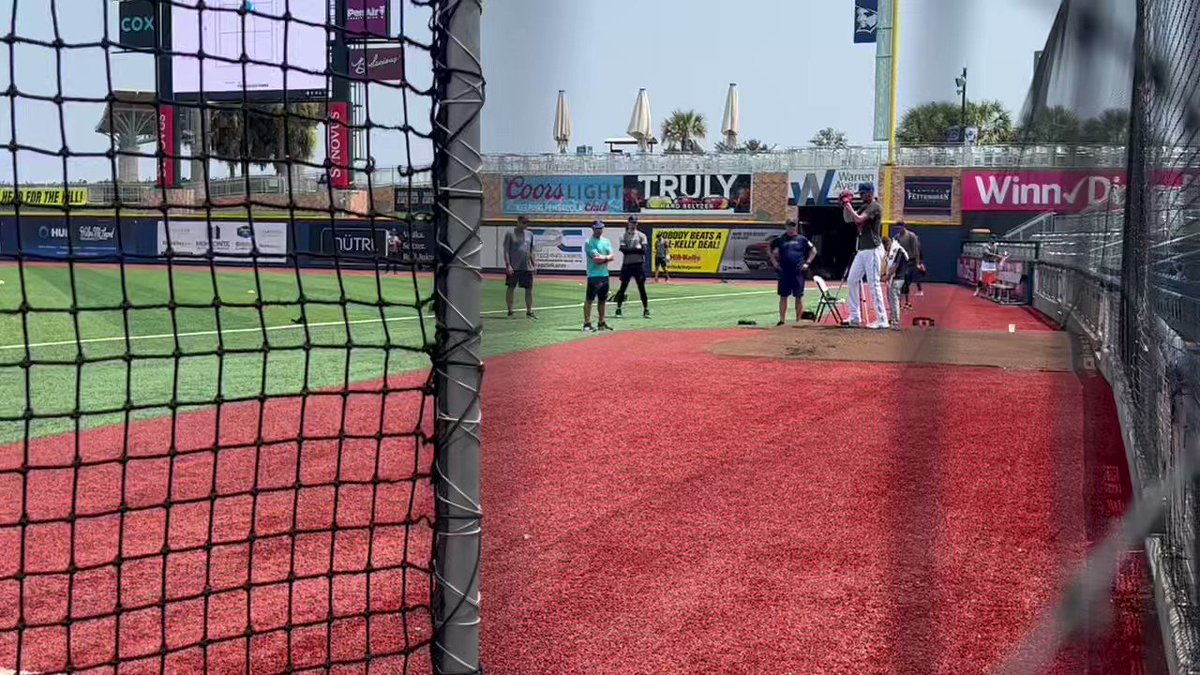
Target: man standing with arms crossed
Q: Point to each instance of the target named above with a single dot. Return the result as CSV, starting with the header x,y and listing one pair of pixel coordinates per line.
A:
x,y
791,254
598,253
633,265
519,264
869,256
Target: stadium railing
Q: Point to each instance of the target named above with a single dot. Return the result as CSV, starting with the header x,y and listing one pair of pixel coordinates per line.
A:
x,y
1077,281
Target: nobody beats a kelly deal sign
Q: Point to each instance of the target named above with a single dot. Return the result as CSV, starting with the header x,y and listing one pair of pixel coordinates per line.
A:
x,y
1059,191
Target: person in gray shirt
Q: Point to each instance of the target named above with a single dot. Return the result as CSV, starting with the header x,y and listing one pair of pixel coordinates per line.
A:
x,y
519,264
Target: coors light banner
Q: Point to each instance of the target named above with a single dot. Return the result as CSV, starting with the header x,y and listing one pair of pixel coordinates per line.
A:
x,y
1069,191
688,194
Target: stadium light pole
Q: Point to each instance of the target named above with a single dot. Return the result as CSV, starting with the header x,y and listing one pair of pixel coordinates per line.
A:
x,y
961,81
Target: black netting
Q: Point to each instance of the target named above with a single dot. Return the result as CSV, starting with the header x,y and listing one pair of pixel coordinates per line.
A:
x,y
1125,272
215,393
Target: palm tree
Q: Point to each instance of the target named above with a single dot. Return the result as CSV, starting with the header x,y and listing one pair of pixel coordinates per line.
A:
x,y
1057,124
829,138
755,147
1111,127
263,135
930,122
722,146
683,131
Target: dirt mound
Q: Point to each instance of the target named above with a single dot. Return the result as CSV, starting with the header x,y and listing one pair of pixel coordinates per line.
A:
x,y
1023,350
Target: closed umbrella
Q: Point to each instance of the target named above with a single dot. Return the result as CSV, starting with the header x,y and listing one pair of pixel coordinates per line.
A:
x,y
562,122
731,123
641,128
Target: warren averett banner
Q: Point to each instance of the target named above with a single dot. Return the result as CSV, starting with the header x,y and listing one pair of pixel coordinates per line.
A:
x,y
562,194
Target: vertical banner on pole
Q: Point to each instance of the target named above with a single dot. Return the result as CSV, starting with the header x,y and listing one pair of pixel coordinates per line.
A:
x,y
338,140
866,21
883,72
166,146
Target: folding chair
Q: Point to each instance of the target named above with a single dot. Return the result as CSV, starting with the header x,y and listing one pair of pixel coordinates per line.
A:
x,y
828,302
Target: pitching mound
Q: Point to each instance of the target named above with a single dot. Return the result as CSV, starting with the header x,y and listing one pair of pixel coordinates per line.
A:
x,y
1029,350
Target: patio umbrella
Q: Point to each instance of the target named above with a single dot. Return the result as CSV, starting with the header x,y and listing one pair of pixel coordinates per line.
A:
x,y
641,128
562,122
731,123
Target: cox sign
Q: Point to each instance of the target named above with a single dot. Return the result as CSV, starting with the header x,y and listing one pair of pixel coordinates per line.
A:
x,y
136,23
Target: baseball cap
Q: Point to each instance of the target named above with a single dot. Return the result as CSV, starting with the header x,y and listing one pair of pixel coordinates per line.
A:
x,y
597,224
523,219
900,224
866,187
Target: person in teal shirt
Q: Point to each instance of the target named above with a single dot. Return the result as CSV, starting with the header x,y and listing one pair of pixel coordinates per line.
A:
x,y
598,253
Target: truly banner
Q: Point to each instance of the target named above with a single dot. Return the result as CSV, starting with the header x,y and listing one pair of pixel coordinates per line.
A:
x,y
821,187
689,194
561,194
44,196
693,251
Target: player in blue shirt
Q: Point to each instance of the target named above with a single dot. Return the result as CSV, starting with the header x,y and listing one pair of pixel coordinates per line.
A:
x,y
598,253
791,254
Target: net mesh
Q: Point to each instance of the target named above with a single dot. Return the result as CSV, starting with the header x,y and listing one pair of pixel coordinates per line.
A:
x,y
1124,274
216,444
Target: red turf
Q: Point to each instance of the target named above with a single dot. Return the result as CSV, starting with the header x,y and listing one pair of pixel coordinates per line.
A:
x,y
650,508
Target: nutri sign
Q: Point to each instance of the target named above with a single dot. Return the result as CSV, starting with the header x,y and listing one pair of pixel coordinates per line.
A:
x,y
338,139
377,64
688,194
367,18
562,194
1058,191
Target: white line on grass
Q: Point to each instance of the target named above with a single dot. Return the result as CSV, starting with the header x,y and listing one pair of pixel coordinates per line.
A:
x,y
323,324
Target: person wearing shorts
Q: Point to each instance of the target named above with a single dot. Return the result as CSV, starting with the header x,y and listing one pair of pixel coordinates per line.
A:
x,y
633,265
519,265
662,258
597,252
791,254
989,267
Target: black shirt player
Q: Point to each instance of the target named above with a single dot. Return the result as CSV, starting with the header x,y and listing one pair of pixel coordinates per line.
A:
x,y
633,246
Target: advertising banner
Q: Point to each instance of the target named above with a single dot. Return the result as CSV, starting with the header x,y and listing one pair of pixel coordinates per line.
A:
x,y
748,251
166,145
820,187
558,249
231,240
694,251
688,194
866,21
135,27
417,199
376,64
56,239
44,196
367,18
562,194
338,139
1066,191
929,195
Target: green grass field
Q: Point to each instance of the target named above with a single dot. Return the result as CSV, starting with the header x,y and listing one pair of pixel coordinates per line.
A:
x,y
147,336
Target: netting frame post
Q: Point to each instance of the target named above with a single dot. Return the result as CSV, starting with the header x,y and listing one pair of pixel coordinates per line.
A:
x,y
457,359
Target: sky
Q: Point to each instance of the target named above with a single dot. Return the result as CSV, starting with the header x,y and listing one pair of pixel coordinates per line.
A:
x,y
793,60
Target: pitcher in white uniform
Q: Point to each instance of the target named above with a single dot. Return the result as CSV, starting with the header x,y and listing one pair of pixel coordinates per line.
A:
x,y
868,257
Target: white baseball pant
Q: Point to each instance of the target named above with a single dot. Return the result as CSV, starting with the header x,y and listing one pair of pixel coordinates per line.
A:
x,y
866,264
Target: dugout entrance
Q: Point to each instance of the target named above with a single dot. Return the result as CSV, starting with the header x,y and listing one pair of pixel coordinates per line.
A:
x,y
833,237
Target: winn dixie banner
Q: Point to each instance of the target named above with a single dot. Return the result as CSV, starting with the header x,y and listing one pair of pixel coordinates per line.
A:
x,y
1065,191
